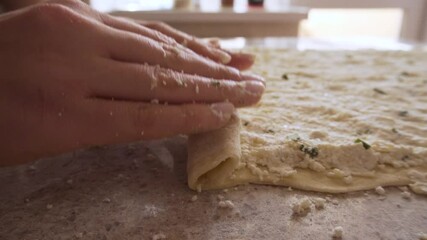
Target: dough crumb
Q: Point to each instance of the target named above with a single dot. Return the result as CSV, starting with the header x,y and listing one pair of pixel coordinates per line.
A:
x,y
27,200
226,204
220,197
197,89
348,179
106,200
380,190
154,101
422,236
406,195
151,211
159,236
194,198
319,203
69,181
49,206
302,207
338,232
78,235
225,190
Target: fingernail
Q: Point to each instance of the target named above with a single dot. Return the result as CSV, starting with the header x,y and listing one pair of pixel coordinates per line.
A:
x,y
223,56
248,56
223,110
252,77
254,87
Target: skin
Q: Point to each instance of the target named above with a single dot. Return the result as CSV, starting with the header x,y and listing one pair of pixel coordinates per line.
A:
x,y
76,78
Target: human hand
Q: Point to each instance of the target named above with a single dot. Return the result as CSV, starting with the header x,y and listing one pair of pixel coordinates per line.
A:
x,y
75,78
210,48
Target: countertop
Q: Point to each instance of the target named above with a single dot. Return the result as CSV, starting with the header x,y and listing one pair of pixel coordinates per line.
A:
x,y
139,191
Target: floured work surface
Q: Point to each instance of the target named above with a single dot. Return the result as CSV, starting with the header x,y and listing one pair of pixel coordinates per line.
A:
x,y
329,122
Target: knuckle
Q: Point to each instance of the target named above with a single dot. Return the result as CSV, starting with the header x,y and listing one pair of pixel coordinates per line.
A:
x,y
50,14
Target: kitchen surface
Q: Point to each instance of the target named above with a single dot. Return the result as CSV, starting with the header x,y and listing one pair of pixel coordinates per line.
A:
x,y
139,191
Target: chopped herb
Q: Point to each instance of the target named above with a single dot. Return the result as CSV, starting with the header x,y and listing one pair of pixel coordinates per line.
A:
x,y
365,131
408,74
394,130
365,145
245,124
403,113
294,137
377,90
404,158
309,150
285,76
215,83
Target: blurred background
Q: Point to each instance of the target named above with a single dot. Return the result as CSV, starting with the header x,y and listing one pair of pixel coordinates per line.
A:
x,y
387,20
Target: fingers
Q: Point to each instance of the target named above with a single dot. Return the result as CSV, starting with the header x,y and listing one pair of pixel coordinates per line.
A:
x,y
130,47
123,121
131,26
191,42
241,61
142,82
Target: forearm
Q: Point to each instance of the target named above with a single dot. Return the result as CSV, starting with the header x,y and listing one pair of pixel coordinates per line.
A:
x,y
10,5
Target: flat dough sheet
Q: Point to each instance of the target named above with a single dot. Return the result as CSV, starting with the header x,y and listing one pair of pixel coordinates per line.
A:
x,y
329,122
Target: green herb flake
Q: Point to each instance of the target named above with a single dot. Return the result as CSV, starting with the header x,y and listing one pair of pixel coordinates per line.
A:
x,y
403,113
394,130
377,90
285,77
408,74
364,144
309,150
215,84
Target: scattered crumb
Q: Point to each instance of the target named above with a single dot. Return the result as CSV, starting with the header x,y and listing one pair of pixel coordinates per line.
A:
x,y
111,113
194,198
290,189
49,206
403,188
226,204
406,195
302,207
333,201
158,236
380,190
153,83
151,211
197,89
220,197
337,234
106,200
348,179
69,181
199,188
236,188
78,235
225,190
27,200
422,236
60,114
154,101
319,203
